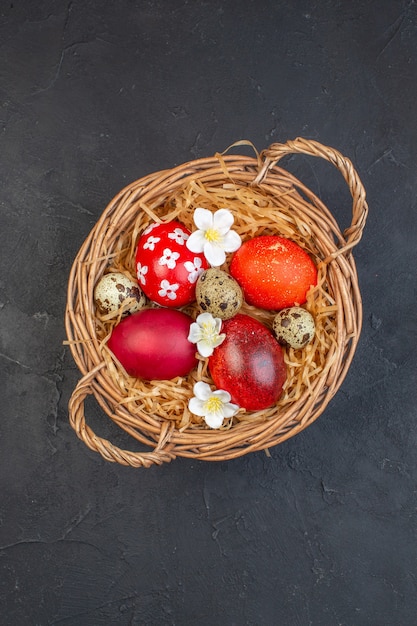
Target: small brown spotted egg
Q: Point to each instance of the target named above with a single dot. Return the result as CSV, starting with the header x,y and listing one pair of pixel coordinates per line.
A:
x,y
113,289
294,327
218,293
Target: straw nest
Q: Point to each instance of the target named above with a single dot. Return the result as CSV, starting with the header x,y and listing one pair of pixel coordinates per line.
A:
x,y
264,199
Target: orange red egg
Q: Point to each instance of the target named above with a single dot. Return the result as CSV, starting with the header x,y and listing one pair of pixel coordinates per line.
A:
x,y
274,272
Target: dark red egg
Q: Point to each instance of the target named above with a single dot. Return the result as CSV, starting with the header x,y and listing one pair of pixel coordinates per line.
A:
x,y
167,270
153,344
249,364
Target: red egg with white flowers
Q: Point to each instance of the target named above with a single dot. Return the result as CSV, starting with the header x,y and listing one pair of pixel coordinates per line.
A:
x,y
167,270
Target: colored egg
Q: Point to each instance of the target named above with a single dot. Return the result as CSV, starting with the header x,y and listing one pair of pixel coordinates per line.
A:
x,y
166,270
153,344
274,272
249,364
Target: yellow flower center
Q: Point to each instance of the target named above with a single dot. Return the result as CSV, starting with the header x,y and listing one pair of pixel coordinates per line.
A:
x,y
212,235
213,404
209,331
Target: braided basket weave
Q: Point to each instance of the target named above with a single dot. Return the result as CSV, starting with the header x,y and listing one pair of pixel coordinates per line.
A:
x,y
164,440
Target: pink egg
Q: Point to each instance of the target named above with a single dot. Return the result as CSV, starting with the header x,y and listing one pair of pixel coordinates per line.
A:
x,y
249,364
167,270
153,344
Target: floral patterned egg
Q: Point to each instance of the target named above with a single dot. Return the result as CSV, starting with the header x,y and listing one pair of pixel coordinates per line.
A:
x,y
166,270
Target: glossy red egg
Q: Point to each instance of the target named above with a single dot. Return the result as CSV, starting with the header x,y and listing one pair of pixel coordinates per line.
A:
x,y
274,272
153,344
166,270
249,364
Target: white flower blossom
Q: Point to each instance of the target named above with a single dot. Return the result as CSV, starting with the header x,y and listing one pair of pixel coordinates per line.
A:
x,y
179,236
214,406
169,258
141,270
213,236
194,269
167,290
205,332
150,243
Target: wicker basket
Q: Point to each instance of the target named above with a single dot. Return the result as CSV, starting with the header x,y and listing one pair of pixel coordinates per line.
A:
x,y
164,440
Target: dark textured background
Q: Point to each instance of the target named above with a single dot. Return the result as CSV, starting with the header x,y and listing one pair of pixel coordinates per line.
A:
x,y
94,95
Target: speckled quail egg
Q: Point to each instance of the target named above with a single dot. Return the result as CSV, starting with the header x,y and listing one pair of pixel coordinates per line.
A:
x,y
113,289
218,293
294,327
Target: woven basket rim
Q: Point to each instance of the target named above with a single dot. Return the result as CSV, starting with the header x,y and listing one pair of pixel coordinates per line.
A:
x,y
161,438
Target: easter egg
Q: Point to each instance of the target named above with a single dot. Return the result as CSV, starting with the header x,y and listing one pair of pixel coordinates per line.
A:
x,y
153,344
249,364
116,290
274,272
294,327
218,293
167,271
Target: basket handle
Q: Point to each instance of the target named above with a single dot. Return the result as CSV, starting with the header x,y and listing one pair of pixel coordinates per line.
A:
x,y
277,151
107,450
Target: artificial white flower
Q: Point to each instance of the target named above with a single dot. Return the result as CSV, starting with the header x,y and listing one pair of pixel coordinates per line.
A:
x,y
205,332
214,406
213,236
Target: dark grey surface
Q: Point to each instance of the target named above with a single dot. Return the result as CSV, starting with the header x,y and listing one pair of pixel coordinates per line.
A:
x,y
94,95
